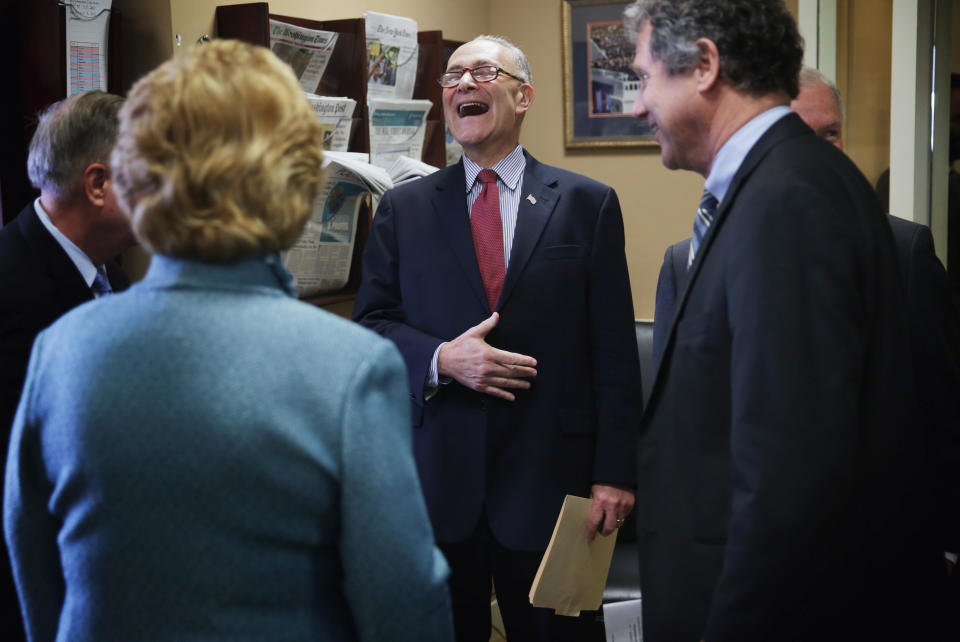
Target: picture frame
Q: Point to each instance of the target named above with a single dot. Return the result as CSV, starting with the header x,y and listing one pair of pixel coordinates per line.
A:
x,y
599,86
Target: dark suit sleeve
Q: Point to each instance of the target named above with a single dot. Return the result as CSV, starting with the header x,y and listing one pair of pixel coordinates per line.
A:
x,y
379,304
796,314
935,338
616,373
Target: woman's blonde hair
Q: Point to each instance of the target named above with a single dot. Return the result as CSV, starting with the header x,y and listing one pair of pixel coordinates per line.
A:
x,y
218,157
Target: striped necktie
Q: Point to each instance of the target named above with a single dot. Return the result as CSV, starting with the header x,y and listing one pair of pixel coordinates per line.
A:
x,y
101,284
705,214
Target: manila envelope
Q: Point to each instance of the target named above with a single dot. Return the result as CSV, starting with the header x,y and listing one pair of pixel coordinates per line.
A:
x,y
573,571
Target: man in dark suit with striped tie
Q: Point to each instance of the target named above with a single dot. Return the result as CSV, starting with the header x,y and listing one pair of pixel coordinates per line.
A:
x,y
504,284
58,252
782,492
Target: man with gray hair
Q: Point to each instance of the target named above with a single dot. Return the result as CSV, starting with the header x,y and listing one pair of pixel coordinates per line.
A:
x,y
504,284
782,491
57,253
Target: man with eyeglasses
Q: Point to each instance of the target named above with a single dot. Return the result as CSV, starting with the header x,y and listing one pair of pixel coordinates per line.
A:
x,y
504,283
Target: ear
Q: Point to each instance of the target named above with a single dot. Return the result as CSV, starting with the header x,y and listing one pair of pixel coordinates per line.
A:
x,y
526,98
707,71
95,179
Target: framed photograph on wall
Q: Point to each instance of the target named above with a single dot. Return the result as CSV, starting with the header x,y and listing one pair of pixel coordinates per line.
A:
x,y
599,86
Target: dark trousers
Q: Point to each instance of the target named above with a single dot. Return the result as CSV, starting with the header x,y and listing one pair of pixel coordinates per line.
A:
x,y
473,562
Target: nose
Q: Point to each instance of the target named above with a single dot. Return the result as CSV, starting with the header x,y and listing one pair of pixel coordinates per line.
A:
x,y
464,81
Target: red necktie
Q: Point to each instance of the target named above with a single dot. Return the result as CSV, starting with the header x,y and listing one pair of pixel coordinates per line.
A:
x,y
488,236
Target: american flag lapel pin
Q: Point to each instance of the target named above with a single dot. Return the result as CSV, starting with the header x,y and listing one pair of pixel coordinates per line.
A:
x,y
532,200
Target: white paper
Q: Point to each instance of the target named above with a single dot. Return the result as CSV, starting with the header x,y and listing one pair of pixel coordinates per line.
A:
x,y
336,116
623,621
391,55
454,149
320,260
88,22
375,178
397,128
406,169
306,50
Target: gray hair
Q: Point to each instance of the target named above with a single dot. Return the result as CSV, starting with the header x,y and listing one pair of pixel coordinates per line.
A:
x,y
810,76
519,58
758,42
71,135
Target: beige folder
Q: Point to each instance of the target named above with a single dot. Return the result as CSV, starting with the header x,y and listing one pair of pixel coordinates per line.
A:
x,y
573,571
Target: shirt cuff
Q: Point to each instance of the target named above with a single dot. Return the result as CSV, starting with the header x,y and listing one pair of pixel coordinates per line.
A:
x,y
434,381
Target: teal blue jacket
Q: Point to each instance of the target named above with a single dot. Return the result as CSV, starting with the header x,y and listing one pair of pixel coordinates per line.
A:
x,y
204,457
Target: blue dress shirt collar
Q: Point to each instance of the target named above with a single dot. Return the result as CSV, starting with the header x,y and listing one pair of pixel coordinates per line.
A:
x,y
730,157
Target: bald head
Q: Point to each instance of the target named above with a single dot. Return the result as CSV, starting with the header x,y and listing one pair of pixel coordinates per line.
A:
x,y
818,104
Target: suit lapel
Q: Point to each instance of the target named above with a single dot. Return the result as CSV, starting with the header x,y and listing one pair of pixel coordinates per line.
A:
x,y
71,289
532,217
450,208
787,127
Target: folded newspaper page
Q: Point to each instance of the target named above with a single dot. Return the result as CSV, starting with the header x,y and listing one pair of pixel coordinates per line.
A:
x,y
397,128
391,55
320,259
306,50
375,178
623,621
406,169
336,117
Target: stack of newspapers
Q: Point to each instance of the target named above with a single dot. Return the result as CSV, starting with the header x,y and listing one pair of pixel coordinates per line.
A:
x,y
397,122
320,260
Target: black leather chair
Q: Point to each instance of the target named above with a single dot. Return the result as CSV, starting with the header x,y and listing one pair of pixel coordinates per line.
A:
x,y
623,582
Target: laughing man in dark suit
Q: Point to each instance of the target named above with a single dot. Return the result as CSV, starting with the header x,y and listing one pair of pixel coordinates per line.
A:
x,y
781,490
520,348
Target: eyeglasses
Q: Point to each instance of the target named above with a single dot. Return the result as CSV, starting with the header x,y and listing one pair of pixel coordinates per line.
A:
x,y
487,73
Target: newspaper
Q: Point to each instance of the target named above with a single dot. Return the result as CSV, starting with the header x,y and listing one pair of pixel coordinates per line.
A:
x,y
623,621
87,30
397,128
375,178
320,259
391,55
454,149
306,50
406,169
336,117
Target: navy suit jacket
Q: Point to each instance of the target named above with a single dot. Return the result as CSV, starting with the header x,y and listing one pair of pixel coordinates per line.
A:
x,y
673,276
782,493
934,342
38,284
565,301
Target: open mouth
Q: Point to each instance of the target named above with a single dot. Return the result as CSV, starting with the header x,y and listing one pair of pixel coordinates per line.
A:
x,y
472,109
